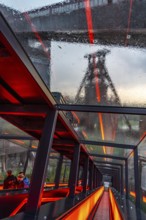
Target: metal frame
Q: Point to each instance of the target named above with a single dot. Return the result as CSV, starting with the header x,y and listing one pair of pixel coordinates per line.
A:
x,y
58,171
126,179
108,144
74,171
46,141
108,168
91,167
28,153
114,173
108,156
40,165
136,174
102,109
6,30
94,177
11,137
85,174
114,164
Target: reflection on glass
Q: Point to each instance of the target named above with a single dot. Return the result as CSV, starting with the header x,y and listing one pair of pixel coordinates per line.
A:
x,y
109,150
8,129
13,156
34,144
98,159
51,170
99,60
103,79
118,128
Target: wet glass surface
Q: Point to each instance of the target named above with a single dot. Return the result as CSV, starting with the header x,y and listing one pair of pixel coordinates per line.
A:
x,y
98,159
101,150
88,62
119,128
7,129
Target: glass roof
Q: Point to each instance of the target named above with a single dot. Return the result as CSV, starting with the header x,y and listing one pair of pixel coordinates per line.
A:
x,y
87,59
8,129
118,128
99,159
142,148
12,147
108,150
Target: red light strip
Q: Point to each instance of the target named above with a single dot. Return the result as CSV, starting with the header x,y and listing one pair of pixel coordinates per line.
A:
x,y
89,20
24,201
84,134
98,96
27,17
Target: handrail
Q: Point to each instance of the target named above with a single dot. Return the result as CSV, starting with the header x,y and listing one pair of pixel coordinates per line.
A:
x,y
83,209
115,212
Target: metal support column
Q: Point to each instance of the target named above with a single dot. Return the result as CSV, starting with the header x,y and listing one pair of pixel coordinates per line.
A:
x,y
136,175
121,177
94,177
27,158
58,171
78,177
97,178
40,166
64,174
74,171
91,175
126,179
85,174
122,183
119,182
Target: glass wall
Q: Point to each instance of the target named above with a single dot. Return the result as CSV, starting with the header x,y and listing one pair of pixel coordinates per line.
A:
x,y
15,151
142,171
131,178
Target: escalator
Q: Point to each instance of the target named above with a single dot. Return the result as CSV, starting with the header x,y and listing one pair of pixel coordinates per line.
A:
x,y
103,210
99,205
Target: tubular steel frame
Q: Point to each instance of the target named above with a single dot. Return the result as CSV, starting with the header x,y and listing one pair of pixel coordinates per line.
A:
x,y
46,140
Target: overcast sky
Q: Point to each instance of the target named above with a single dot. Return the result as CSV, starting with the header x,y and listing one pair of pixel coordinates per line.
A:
x,y
126,67
24,5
